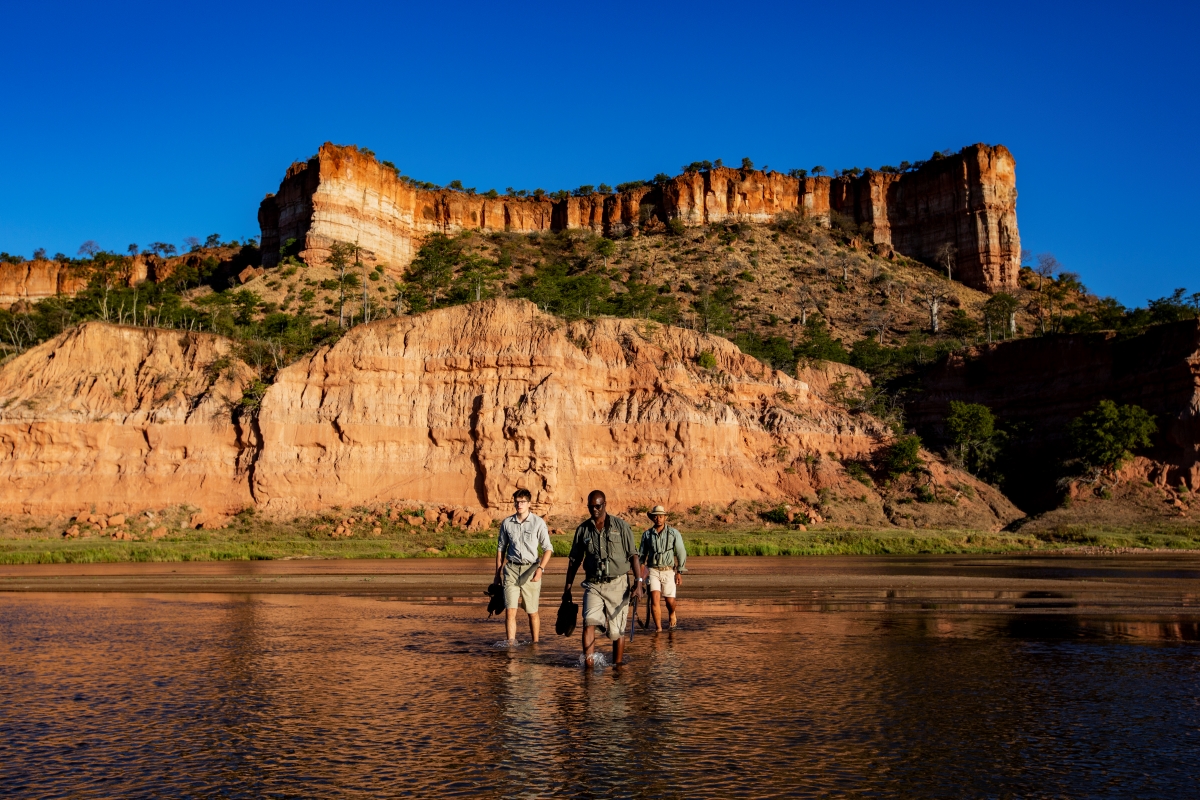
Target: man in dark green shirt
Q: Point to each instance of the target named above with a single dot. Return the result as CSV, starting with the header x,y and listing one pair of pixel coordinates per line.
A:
x,y
604,545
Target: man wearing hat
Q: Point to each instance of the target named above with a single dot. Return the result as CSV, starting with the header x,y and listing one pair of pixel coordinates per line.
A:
x,y
663,553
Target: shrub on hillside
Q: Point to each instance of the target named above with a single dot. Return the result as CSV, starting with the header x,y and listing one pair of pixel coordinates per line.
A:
x,y
1103,439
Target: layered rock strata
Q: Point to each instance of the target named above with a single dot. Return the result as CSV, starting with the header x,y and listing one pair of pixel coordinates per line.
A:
x,y
31,281
108,418
967,200
1040,385
458,407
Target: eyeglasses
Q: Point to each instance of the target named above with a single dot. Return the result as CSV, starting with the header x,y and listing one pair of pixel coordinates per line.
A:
x,y
520,502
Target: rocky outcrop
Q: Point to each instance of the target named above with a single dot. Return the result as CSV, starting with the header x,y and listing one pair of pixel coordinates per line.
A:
x,y
458,407
1041,384
967,200
31,281
107,418
465,405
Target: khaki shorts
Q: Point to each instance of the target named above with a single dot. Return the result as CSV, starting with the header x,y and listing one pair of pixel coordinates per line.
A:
x,y
662,579
606,605
518,585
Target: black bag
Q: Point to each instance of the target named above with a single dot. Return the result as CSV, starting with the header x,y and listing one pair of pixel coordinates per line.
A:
x,y
496,603
564,625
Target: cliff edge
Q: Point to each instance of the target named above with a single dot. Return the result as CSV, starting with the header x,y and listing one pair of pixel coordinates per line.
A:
x,y
967,200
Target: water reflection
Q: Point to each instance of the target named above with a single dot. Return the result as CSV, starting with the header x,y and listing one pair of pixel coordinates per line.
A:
x,y
295,696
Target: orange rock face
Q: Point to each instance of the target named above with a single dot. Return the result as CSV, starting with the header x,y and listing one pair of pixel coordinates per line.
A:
x,y
116,418
465,405
968,200
458,407
31,281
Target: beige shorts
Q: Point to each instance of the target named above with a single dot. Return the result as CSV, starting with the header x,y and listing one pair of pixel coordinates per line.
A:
x,y
662,579
606,605
519,585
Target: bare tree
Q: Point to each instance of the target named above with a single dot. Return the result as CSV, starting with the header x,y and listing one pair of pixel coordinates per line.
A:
x,y
878,322
933,296
947,256
89,248
804,298
340,254
1047,266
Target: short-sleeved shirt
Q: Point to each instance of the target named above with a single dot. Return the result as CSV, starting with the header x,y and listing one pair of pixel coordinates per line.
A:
x,y
520,540
607,553
663,549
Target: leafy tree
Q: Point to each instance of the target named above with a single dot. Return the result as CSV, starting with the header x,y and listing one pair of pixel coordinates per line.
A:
x,y
1102,439
477,279
605,249
584,190
433,269
973,435
456,185
960,325
1175,307
604,188
819,170
903,456
132,250
747,163
341,256
1000,315
818,343
713,308
798,173
39,254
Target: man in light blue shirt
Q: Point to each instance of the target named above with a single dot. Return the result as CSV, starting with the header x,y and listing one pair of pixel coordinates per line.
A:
x,y
665,558
519,567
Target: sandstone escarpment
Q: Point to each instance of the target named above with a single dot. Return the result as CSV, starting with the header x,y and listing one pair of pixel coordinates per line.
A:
x,y
458,406
31,281
107,418
967,200
465,405
1042,384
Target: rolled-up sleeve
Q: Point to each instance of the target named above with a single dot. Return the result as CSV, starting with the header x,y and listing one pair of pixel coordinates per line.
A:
x,y
502,539
680,552
544,537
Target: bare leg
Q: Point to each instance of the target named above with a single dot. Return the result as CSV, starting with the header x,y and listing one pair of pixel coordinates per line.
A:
x,y
535,625
589,643
656,609
619,651
671,610
510,624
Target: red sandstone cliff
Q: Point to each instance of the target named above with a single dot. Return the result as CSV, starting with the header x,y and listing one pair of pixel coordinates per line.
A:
x,y
31,281
117,417
458,406
968,200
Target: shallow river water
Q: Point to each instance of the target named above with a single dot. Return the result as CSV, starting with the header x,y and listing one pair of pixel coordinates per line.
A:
x,y
245,694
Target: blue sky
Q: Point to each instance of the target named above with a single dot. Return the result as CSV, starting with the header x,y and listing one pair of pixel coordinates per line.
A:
x,y
135,122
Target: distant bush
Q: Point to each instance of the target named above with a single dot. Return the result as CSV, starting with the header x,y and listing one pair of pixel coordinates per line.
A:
x,y
1103,438
707,360
904,456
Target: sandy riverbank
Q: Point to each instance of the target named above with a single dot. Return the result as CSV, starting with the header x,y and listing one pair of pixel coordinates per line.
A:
x,y
1146,583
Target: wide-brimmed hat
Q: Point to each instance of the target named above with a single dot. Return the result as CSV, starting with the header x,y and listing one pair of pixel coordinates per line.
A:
x,y
656,511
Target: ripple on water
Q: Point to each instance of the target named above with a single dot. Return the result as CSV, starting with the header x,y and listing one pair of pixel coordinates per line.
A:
x,y
104,696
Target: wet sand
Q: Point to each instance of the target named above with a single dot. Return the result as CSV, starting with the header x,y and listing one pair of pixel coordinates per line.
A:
x,y
1152,583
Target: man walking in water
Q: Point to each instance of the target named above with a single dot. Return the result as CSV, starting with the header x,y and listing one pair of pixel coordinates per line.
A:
x,y
604,545
519,569
665,557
